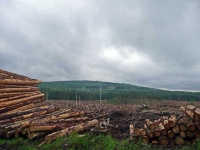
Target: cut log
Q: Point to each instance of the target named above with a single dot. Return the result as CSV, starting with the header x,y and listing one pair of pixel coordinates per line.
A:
x,y
156,122
183,134
182,127
131,126
163,141
19,106
9,103
162,129
26,123
28,107
191,127
154,142
11,90
197,125
156,133
150,125
189,113
19,82
137,131
190,107
67,115
42,127
19,96
16,86
78,128
166,124
131,131
172,121
17,132
12,127
197,110
179,141
10,134
31,115
14,75
7,95
143,132
33,135
150,134
25,130
176,129
196,117
20,113
145,139
170,134
182,108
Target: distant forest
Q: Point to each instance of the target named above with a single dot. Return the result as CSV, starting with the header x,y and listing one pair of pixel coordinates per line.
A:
x,y
90,90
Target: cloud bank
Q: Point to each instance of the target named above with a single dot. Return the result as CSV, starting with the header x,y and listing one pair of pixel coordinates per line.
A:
x,y
147,43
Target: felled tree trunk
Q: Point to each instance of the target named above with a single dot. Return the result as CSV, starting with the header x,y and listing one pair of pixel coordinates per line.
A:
x,y
20,113
32,135
7,95
9,103
26,123
77,128
170,134
14,75
30,115
176,129
10,90
179,141
19,96
19,82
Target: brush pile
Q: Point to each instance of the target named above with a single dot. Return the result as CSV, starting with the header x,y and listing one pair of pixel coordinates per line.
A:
x,y
171,131
23,111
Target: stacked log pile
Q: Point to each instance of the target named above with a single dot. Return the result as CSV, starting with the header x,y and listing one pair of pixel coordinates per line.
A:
x,y
22,111
171,131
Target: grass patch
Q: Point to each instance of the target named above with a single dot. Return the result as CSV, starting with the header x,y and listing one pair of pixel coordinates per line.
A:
x,y
86,142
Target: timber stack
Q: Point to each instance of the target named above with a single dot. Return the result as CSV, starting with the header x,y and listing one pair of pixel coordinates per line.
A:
x,y
171,131
22,111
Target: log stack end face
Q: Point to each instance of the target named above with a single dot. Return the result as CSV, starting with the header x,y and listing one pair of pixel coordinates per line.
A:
x,y
171,131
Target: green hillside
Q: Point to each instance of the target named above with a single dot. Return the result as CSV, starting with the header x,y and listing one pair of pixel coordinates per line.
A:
x,y
90,90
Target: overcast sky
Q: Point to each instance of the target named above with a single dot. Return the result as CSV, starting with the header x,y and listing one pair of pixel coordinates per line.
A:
x,y
154,43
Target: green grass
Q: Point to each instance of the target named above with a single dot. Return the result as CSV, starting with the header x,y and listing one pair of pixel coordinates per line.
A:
x,y
86,142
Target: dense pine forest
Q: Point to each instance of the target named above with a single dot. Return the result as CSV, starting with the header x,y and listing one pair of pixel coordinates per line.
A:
x,y
113,92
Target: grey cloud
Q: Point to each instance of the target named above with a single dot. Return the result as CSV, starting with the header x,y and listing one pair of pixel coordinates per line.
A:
x,y
63,40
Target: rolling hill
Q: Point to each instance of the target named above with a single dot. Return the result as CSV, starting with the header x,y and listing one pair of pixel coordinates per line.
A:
x,y
90,90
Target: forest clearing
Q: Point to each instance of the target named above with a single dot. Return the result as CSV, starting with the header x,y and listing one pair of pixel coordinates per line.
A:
x,y
26,113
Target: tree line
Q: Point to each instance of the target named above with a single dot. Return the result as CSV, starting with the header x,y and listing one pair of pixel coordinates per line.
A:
x,y
119,95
